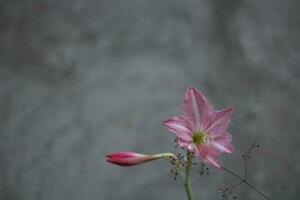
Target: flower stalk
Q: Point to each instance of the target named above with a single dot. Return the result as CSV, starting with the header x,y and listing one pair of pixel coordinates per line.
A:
x,y
187,172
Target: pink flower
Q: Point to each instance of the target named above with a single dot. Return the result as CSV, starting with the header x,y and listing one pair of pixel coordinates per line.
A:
x,y
201,129
127,158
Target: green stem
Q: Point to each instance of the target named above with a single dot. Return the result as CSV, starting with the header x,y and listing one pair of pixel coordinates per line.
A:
x,y
186,181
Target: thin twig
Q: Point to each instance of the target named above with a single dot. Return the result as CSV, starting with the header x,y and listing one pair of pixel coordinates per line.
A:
x,y
246,168
246,182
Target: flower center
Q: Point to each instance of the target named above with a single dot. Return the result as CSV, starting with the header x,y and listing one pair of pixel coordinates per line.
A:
x,y
199,137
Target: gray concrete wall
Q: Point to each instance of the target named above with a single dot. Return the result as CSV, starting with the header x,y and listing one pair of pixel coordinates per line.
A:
x,y
79,79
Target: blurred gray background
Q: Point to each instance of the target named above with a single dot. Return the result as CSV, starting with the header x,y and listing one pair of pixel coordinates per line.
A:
x,y
79,79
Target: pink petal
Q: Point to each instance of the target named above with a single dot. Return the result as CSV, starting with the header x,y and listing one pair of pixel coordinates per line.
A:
x,y
203,150
225,136
181,127
222,142
193,148
183,144
219,121
211,155
188,145
222,147
197,108
213,160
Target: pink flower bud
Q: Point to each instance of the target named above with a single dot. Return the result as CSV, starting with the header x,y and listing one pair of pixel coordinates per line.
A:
x,y
127,158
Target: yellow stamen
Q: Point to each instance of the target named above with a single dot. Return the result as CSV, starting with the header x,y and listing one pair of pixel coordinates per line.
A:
x,y
199,137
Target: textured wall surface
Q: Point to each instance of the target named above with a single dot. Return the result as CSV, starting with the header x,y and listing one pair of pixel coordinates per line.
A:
x,y
79,79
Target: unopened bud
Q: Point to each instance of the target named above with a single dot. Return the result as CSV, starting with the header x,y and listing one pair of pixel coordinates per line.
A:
x,y
127,158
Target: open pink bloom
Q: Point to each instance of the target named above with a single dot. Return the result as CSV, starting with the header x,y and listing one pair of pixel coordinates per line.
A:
x,y
127,158
201,129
